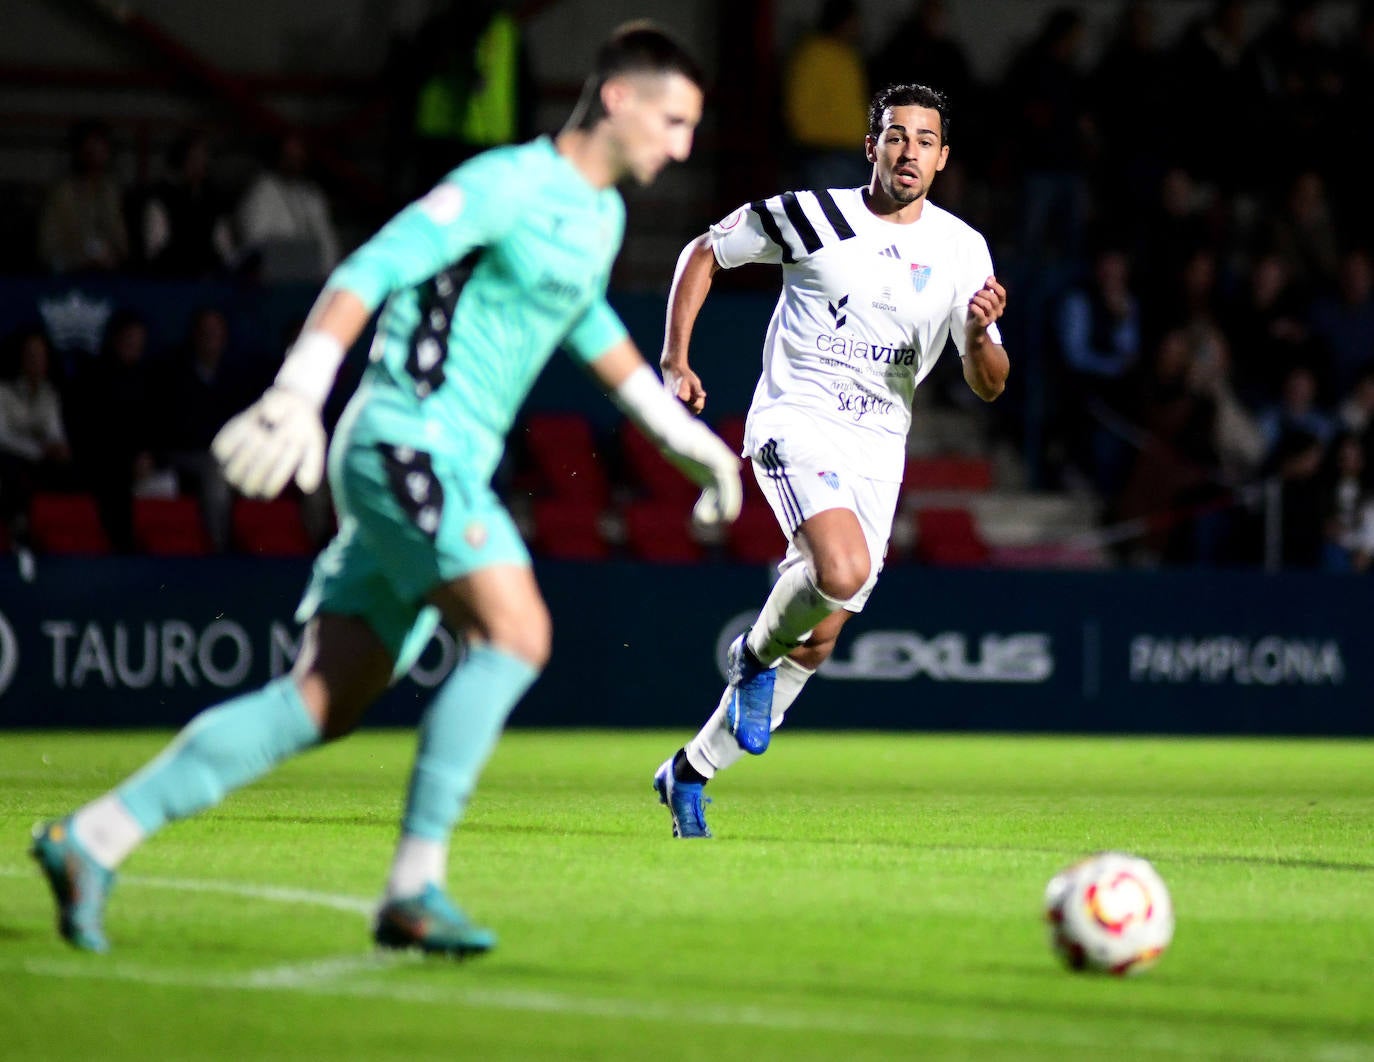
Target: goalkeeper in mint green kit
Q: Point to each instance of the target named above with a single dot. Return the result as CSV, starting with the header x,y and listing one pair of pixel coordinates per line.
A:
x,y
478,282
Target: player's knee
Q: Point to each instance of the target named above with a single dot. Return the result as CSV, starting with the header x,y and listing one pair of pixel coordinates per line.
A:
x,y
842,575
528,636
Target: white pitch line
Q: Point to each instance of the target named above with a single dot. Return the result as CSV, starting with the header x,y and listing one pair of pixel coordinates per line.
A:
x,y
274,893
325,977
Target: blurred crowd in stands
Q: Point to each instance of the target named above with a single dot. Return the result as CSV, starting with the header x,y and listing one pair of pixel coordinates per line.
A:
x,y
1179,220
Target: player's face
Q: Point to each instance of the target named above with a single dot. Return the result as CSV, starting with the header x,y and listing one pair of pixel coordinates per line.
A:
x,y
908,153
653,118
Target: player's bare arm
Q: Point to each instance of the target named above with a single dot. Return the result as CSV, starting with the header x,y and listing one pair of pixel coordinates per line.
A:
x,y
696,268
986,365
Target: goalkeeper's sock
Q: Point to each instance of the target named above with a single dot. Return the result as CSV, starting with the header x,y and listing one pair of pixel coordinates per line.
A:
x,y
218,751
457,734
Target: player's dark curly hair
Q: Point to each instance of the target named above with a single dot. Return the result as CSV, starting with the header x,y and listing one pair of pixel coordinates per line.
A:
x,y
908,95
638,47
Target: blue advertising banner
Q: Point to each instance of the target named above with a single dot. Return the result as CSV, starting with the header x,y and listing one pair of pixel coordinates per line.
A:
x,y
124,642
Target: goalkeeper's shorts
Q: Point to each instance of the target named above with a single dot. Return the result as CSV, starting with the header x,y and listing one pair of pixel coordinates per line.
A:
x,y
408,522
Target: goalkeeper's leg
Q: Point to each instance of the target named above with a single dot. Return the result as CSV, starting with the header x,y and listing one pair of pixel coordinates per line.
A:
x,y
342,668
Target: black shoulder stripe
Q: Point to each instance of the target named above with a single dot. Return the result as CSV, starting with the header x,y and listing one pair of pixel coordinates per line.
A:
x,y
770,226
809,237
832,214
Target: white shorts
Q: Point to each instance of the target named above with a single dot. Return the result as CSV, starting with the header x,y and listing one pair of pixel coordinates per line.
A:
x,y
798,477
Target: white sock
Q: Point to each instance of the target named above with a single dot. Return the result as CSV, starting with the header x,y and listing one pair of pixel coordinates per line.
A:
x,y
418,862
715,748
794,606
107,830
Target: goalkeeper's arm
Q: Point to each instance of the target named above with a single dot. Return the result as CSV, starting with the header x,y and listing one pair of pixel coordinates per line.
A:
x,y
281,436
685,441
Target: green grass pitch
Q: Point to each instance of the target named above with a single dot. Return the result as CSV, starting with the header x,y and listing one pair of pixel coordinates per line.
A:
x,y
867,896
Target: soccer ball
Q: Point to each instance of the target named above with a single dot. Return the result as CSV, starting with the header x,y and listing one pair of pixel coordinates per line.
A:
x,y
1109,913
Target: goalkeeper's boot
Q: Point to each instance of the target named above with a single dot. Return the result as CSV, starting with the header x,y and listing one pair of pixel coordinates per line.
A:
x,y
79,884
432,923
750,711
684,802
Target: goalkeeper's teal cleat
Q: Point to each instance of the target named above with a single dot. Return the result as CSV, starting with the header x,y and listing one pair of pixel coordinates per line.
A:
x,y
432,923
750,711
79,884
684,802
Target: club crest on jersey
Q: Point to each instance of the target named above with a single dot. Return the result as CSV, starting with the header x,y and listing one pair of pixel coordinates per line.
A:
x,y
830,479
920,276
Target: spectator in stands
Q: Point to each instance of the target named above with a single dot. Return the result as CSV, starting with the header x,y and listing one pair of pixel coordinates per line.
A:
x,y
200,391
185,221
1303,228
1297,434
1356,409
1296,415
1050,135
1349,538
1167,234
1301,80
114,424
1130,165
1266,320
285,227
825,101
1212,81
81,225
463,83
34,452
921,47
1098,335
1174,478
1343,319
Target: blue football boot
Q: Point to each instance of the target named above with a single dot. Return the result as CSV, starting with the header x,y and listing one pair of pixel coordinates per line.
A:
x,y
684,802
432,923
79,884
750,712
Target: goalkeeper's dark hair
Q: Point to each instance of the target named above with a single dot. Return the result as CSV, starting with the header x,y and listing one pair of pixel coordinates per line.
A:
x,y
908,95
638,47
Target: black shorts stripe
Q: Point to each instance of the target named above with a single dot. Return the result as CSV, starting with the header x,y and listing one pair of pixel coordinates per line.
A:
x,y
810,238
776,472
417,490
832,213
770,226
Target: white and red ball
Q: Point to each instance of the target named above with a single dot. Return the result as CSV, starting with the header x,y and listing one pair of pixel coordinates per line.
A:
x,y
1109,913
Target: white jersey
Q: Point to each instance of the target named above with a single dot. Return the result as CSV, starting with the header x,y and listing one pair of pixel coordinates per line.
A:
x,y
865,310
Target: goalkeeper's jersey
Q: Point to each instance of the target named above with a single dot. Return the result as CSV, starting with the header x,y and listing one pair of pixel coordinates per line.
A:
x,y
865,310
479,281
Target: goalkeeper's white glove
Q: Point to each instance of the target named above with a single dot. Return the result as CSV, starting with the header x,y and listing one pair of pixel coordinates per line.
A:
x,y
278,437
281,436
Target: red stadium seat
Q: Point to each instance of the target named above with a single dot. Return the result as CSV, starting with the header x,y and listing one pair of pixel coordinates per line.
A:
x,y
568,529
949,538
648,472
62,523
170,527
269,528
660,531
755,537
562,449
950,472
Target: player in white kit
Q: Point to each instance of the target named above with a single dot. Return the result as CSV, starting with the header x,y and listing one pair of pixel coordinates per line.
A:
x,y
875,280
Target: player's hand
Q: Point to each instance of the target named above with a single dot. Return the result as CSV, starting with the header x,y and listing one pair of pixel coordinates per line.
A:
x,y
278,437
988,303
685,385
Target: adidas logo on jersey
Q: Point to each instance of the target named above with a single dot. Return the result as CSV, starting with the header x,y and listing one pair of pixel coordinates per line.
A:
x,y
890,251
